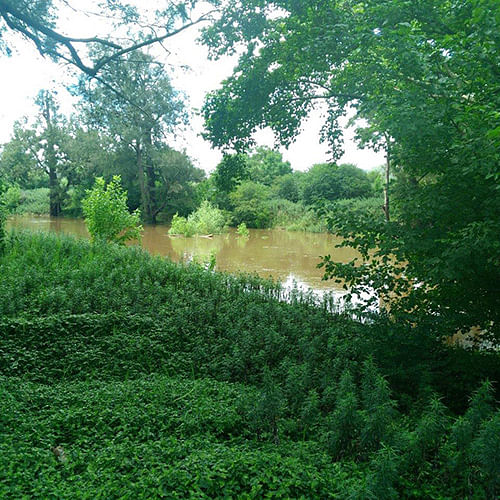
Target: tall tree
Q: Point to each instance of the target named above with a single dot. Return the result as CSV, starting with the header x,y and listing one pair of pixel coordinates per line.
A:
x,y
149,109
265,165
425,75
19,160
326,181
37,152
49,138
232,169
176,181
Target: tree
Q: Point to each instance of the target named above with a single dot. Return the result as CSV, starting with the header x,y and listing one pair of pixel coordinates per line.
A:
x,y
151,109
50,119
37,152
176,182
249,200
37,22
287,186
53,151
326,181
106,213
265,165
19,160
229,172
425,77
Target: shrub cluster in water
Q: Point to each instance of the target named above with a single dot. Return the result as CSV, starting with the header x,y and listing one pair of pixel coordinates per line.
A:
x,y
207,219
127,375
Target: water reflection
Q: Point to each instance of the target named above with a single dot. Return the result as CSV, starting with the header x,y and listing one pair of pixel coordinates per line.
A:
x,y
288,256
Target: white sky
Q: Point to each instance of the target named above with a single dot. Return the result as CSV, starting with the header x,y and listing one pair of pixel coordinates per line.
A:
x,y
25,73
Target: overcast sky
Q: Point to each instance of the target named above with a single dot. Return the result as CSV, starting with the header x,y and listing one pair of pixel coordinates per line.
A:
x,y
26,72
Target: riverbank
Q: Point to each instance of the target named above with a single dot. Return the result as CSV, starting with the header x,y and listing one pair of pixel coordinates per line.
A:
x,y
286,256
125,374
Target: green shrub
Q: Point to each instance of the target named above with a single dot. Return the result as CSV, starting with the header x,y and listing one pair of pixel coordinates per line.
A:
x,y
207,219
344,422
295,217
378,408
242,230
486,451
106,213
33,201
249,200
11,198
147,438
179,225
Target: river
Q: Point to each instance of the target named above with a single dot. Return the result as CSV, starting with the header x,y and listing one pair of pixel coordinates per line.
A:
x,y
291,257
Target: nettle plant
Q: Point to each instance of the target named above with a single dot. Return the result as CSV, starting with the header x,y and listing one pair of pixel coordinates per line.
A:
x,y
106,213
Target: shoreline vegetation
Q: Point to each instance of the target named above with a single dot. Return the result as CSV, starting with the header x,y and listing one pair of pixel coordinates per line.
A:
x,y
114,362
206,219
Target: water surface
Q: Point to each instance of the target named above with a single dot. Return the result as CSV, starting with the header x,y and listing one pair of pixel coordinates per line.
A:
x,y
287,256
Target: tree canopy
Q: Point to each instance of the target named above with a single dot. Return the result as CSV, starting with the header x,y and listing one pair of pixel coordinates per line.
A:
x,y
326,181
140,115
425,77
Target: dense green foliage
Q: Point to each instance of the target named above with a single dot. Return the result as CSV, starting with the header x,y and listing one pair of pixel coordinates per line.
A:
x,y
424,77
331,182
206,220
261,190
124,375
127,374
146,109
258,188
28,201
106,213
250,202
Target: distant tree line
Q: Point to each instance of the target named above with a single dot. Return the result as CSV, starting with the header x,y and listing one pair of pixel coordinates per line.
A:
x,y
52,160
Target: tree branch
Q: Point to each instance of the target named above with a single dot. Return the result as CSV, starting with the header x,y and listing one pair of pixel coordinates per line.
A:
x,y
11,14
146,43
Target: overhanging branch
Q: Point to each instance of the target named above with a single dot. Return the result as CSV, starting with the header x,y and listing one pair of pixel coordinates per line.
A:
x,y
38,33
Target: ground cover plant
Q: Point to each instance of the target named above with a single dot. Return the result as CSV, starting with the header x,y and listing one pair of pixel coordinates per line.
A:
x,y
127,375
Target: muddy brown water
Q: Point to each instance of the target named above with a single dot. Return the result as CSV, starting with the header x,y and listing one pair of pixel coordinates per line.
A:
x,y
287,256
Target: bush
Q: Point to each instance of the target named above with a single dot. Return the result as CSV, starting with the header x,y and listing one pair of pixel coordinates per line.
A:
x,y
242,230
295,217
11,198
31,201
287,187
206,220
250,205
106,213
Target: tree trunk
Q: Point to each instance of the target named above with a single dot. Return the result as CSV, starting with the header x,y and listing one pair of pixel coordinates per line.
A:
x,y
55,202
386,187
143,185
150,179
51,160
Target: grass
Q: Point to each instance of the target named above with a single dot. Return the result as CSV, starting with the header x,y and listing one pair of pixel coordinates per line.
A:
x,y
124,375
